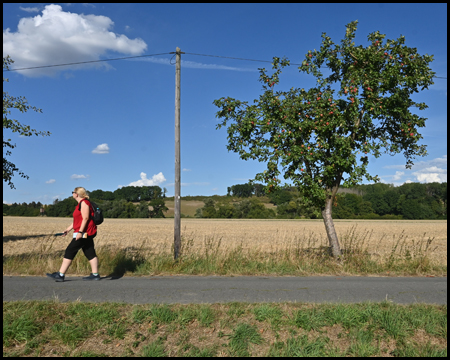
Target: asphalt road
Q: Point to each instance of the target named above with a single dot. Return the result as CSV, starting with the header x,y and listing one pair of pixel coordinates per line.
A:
x,y
222,289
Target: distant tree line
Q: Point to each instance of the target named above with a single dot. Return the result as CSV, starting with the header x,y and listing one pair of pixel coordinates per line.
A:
x,y
23,209
409,201
374,201
246,209
114,204
130,193
246,190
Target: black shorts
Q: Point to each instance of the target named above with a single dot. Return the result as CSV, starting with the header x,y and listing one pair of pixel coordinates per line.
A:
x,y
86,244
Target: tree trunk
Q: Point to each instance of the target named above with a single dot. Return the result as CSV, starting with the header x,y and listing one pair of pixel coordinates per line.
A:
x,y
328,219
329,226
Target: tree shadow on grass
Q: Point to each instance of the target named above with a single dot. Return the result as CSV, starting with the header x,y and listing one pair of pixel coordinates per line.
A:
x,y
21,237
124,261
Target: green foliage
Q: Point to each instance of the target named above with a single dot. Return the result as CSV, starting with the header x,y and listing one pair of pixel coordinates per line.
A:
x,y
280,196
159,207
21,104
375,201
129,193
251,208
209,211
62,208
352,206
298,208
246,190
119,207
24,209
313,137
142,211
409,201
102,195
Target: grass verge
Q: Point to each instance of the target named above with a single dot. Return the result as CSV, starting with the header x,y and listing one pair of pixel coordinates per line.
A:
x,y
207,256
51,328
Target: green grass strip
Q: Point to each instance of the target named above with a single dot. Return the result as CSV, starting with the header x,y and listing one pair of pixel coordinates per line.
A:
x,y
52,328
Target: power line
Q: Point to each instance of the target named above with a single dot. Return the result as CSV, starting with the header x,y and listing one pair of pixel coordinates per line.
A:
x,y
169,53
234,58
86,62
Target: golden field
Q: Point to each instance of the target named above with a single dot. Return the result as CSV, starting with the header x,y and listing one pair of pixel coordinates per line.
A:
x,y
28,234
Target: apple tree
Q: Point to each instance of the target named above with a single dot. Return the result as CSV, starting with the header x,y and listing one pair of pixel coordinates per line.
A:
x,y
322,137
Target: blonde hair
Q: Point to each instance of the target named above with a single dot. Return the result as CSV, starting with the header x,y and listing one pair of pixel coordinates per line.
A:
x,y
81,191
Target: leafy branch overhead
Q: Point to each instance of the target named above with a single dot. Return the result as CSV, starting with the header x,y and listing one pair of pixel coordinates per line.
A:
x,y
20,103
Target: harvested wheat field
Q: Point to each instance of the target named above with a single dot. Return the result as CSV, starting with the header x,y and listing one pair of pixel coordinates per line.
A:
x,y
33,234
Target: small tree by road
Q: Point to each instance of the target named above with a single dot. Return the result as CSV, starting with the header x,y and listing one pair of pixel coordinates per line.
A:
x,y
322,137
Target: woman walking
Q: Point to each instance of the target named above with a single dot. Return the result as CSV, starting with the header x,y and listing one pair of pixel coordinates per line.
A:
x,y
83,237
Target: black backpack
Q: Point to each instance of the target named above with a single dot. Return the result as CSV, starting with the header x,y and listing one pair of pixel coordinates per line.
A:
x,y
98,214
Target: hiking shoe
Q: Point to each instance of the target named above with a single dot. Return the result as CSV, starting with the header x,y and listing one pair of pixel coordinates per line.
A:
x,y
92,277
56,276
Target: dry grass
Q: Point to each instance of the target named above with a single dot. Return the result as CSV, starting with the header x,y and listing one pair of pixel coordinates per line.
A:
x,y
22,235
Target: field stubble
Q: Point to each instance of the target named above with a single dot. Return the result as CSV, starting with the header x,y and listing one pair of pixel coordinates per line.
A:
x,y
380,240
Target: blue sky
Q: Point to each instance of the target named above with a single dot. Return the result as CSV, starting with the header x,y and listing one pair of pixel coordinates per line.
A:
x,y
112,123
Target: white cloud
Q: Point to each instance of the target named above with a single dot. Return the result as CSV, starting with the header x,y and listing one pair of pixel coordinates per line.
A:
x,y
398,175
75,177
431,174
29,9
434,170
101,149
439,162
154,181
186,170
194,64
432,177
59,37
51,181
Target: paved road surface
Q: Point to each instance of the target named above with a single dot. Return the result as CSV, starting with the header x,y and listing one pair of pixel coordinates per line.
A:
x,y
221,289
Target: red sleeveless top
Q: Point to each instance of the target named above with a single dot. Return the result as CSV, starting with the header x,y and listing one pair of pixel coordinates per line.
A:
x,y
78,219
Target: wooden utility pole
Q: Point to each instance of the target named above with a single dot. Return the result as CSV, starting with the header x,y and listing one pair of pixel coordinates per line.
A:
x,y
177,198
